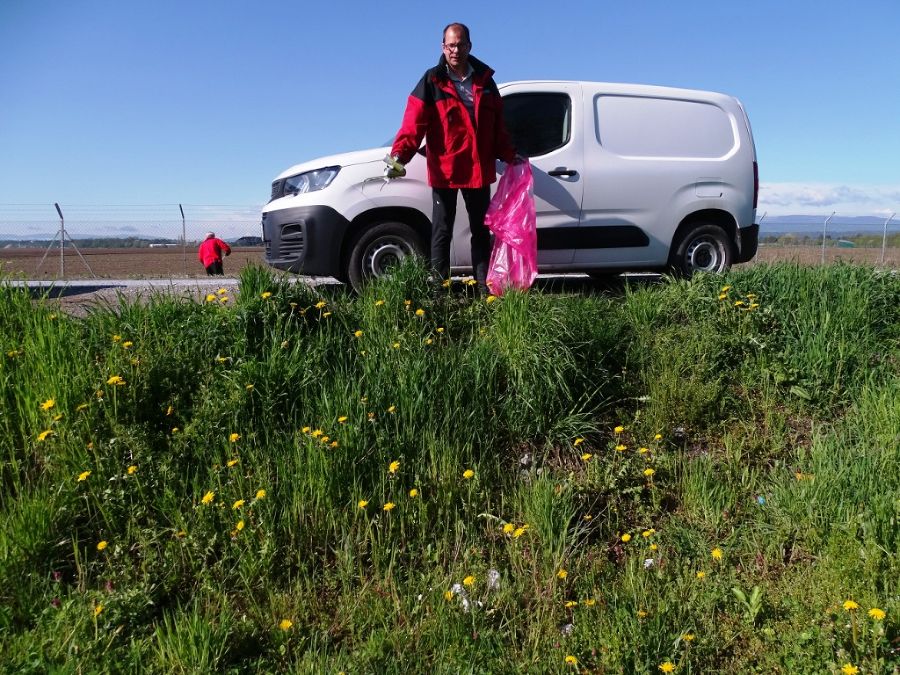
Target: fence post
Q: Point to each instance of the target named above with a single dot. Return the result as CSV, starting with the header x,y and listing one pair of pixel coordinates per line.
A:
x,y
62,242
183,242
884,237
824,230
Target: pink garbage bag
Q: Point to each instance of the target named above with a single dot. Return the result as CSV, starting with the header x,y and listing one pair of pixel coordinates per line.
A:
x,y
511,218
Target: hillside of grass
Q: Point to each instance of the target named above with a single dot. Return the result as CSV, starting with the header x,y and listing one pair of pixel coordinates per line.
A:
x,y
690,476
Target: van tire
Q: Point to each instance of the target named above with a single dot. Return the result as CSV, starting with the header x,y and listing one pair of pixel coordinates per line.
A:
x,y
379,247
702,248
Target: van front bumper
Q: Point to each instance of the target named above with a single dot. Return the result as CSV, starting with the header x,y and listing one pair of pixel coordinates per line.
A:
x,y
305,240
747,243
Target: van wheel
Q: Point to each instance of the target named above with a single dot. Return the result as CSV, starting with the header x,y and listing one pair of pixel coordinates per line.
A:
x,y
378,248
702,248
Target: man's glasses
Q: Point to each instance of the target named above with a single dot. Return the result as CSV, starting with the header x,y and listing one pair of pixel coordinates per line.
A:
x,y
458,47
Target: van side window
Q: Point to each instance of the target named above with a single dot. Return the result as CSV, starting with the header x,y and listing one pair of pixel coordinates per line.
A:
x,y
538,123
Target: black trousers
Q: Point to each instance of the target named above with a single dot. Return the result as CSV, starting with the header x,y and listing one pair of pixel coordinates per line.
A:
x,y
443,216
214,269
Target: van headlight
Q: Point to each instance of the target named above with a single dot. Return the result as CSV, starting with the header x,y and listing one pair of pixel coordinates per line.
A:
x,y
308,181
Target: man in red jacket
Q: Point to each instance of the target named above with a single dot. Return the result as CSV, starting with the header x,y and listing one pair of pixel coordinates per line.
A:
x,y
210,254
457,109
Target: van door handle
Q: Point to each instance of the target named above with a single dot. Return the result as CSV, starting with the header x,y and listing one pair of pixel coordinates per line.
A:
x,y
563,171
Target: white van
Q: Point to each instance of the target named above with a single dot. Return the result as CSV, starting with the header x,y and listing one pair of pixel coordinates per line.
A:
x,y
626,177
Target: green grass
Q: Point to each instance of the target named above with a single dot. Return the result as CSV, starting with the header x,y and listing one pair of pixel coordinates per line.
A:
x,y
762,421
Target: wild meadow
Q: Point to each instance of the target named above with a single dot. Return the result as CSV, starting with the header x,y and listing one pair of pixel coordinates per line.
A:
x,y
686,476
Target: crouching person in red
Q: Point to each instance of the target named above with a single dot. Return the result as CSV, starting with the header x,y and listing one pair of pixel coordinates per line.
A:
x,y
210,254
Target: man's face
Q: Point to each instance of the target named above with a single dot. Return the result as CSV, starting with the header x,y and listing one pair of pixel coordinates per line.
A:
x,y
456,48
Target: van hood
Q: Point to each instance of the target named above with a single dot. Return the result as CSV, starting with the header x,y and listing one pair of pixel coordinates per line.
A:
x,y
343,159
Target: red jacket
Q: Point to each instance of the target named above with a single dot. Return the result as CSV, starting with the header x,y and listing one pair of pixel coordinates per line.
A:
x,y
460,153
211,251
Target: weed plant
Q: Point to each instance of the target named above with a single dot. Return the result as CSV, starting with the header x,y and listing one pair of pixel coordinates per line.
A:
x,y
698,476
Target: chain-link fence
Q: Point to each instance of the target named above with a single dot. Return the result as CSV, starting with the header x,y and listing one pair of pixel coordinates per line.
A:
x,y
161,240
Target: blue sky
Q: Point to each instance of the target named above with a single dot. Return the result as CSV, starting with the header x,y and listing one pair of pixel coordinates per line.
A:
x,y
202,102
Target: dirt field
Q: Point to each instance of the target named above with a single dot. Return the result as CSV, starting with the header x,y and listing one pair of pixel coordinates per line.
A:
x,y
119,263
155,263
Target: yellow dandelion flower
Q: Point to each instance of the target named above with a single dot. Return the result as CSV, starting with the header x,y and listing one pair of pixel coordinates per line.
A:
x,y
326,315
407,303
590,602
379,303
389,506
210,297
648,533
83,475
325,439
717,553
305,430
102,545
619,429
175,430
621,448
316,433
649,472
223,299
877,614
238,504
653,547
132,470
701,574
587,517
586,456
393,466
116,380
428,341
626,537
667,667
128,344
571,603
320,304
234,438
44,435
181,534
508,528
260,494
739,303
208,497
723,296
80,407
362,503
221,291
249,387
97,610
571,660
420,312
169,411
357,333
725,289
643,451
265,295
239,526
48,404
396,345
850,605
232,462
445,283
116,338
469,581
342,419
688,637
657,437
471,282
414,493
519,531
439,329
448,595
562,574
641,614
392,409
578,441
489,299
285,624
333,444
849,669
221,359
468,474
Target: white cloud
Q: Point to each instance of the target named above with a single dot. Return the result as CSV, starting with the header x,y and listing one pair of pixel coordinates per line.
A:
x,y
815,198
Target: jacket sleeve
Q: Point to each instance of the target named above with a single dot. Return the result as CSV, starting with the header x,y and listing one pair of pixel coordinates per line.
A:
x,y
416,119
226,249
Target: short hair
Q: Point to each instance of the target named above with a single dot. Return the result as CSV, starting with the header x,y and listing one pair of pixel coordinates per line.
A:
x,y
461,27
210,235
